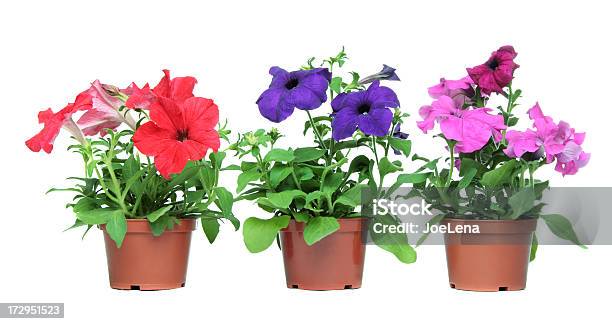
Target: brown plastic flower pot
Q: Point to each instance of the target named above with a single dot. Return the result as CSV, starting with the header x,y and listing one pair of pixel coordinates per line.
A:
x,y
333,263
496,259
146,262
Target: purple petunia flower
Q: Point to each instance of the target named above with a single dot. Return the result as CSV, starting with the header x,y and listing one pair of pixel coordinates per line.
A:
x,y
367,110
387,73
302,89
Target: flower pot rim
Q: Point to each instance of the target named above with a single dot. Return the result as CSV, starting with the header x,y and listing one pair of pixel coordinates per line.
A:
x,y
352,224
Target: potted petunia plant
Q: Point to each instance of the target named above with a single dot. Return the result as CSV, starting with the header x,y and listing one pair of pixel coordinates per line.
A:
x,y
487,194
152,166
313,193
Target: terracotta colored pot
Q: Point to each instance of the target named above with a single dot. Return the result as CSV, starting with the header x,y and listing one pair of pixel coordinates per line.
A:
x,y
146,262
496,259
335,262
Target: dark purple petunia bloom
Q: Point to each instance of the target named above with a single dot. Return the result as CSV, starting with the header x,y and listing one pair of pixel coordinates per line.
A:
x,y
387,73
367,110
397,133
303,89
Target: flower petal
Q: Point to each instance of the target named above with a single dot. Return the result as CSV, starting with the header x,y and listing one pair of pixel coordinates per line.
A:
x,y
151,139
200,113
303,98
347,100
98,120
376,122
279,77
381,97
272,105
209,139
344,124
167,114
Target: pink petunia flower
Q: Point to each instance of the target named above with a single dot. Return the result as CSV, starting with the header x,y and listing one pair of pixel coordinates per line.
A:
x,y
460,90
550,141
470,128
104,113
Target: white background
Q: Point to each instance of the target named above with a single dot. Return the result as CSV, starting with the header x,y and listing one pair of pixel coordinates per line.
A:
x,y
50,50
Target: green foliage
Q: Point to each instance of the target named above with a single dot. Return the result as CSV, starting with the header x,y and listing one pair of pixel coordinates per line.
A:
x,y
260,233
318,228
491,185
119,186
321,183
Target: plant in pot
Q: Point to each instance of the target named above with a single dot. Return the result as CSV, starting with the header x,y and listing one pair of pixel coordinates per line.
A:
x,y
148,175
313,193
487,194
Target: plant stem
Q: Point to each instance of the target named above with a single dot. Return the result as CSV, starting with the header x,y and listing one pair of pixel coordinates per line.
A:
x,y
117,189
531,180
451,147
316,131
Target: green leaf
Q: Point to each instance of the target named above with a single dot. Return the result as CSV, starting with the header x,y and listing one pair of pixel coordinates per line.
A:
x,y
402,145
405,178
332,182
385,167
284,198
246,177
433,221
259,234
395,243
351,197
301,217
467,178
318,228
116,227
279,155
278,174
77,223
194,196
98,216
225,200
188,172
534,248
336,84
500,175
562,227
232,167
161,224
311,196
521,202
152,217
306,154
358,164
304,173
85,204
211,228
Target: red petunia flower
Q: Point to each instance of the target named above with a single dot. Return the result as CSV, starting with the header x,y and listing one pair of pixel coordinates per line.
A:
x,y
178,89
496,72
53,123
178,132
